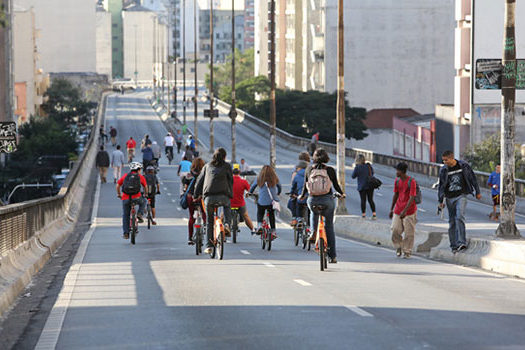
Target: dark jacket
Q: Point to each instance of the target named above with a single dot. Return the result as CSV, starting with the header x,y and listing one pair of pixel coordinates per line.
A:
x,y
102,160
361,172
468,174
215,181
298,184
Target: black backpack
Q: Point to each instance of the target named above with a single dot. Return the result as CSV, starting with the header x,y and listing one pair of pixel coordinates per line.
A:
x,y
151,180
131,185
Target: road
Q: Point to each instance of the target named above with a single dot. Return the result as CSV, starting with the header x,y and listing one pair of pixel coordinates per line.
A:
x,y
159,295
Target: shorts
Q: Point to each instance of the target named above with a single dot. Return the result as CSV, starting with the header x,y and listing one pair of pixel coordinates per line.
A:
x,y
241,210
495,199
152,201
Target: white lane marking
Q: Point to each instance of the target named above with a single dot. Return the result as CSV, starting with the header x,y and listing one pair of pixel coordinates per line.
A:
x,y
169,194
179,209
165,188
379,194
302,283
422,210
358,311
51,332
269,264
245,252
185,219
173,200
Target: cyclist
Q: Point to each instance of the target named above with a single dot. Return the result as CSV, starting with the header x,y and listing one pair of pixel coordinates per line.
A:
x,y
269,190
146,141
182,171
168,144
147,155
130,146
215,184
298,206
153,189
131,184
178,140
319,180
190,180
240,185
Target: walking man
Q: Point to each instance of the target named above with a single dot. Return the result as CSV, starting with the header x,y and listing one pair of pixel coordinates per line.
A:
x,y
102,163
494,182
456,181
117,161
178,140
403,212
113,135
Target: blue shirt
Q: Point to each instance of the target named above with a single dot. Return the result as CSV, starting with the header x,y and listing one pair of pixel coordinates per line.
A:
x,y
264,196
298,184
185,166
494,179
147,154
361,172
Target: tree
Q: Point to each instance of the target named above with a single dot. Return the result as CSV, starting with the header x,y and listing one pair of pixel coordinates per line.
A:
x,y
304,113
222,73
246,91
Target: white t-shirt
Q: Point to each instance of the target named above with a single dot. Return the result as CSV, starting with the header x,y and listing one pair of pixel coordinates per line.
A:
x,y
169,140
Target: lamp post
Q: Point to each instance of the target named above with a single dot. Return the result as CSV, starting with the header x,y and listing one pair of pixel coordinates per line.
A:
x,y
273,117
184,63
195,104
211,78
233,111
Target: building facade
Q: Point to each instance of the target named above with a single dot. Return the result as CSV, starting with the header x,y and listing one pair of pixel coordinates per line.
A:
x,y
104,42
249,24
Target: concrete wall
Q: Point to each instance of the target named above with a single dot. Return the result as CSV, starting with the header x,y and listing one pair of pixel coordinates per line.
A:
x,y
67,34
104,43
398,53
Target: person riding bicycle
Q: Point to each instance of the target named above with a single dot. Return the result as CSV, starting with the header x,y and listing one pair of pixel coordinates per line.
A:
x,y
155,148
146,141
130,146
240,185
215,184
147,155
131,185
189,182
319,180
168,145
298,206
153,189
269,190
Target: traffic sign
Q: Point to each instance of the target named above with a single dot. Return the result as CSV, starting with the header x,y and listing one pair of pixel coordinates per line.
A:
x,y
7,137
214,114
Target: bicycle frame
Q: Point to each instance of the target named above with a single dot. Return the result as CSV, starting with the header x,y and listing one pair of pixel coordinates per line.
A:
x,y
218,227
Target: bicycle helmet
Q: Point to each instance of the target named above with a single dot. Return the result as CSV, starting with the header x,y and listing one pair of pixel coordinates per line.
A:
x,y
134,166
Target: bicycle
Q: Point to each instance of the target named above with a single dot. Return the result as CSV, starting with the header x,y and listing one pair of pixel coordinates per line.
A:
x,y
235,224
300,231
134,221
150,214
199,227
169,155
266,232
321,241
219,235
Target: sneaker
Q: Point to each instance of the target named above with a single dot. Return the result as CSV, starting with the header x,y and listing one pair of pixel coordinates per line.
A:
x,y
406,255
227,230
254,232
462,247
332,260
125,235
208,250
398,252
190,242
140,219
363,217
153,222
374,217
274,235
293,223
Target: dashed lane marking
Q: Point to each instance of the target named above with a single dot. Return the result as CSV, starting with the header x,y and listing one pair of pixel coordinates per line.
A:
x,y
358,311
245,252
269,264
169,194
179,209
422,210
302,283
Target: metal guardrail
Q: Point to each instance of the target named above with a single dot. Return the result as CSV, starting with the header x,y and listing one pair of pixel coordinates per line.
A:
x,y
19,222
416,166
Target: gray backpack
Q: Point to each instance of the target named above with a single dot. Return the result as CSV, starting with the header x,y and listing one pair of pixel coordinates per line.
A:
x,y
419,196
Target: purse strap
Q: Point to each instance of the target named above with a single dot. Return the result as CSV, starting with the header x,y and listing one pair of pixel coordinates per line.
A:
x,y
369,169
269,192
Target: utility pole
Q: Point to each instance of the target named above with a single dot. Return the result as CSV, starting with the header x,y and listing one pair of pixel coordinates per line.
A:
x,y
168,59
507,226
175,107
341,147
154,59
184,63
211,78
273,117
196,102
233,111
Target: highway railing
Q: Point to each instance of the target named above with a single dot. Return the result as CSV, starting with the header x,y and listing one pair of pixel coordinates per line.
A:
x,y
21,221
425,168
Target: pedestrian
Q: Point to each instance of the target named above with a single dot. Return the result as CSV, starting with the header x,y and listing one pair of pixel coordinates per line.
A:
x,y
313,143
191,142
130,147
147,156
102,163
117,162
403,211
362,172
182,172
155,148
188,153
494,183
102,134
178,140
245,169
456,181
113,135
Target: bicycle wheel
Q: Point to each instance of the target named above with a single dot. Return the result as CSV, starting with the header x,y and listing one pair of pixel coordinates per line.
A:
x,y
149,217
196,236
220,245
296,236
133,230
214,251
263,238
270,236
322,253
235,226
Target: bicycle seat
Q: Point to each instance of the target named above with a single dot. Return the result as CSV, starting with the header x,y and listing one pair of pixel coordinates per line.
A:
x,y
318,208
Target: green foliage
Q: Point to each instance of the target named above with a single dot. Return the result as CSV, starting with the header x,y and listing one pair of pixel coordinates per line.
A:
x,y
304,113
246,91
65,105
222,73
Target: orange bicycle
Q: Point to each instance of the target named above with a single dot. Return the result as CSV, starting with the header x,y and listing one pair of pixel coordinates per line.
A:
x,y
218,235
321,241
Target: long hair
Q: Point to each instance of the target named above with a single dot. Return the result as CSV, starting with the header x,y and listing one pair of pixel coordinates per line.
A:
x,y
321,156
267,175
304,156
219,157
197,165
360,159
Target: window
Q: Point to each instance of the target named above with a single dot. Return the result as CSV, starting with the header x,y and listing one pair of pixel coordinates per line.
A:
x,y
114,25
192,70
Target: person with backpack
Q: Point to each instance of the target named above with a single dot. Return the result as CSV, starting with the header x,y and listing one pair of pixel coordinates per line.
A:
x,y
215,184
189,189
403,211
182,171
129,190
113,135
319,181
102,163
147,155
269,191
153,188
363,171
456,181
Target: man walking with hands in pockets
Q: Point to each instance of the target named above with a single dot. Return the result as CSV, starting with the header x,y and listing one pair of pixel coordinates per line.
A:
x,y
403,212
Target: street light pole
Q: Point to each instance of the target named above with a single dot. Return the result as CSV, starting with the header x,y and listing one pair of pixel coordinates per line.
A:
x,y
341,147
507,226
175,64
195,103
184,63
233,111
211,78
273,117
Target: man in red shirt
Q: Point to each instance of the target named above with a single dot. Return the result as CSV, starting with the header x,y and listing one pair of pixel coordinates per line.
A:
x,y
131,185
130,145
239,186
403,212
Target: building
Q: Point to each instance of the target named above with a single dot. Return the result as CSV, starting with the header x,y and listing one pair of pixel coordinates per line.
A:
x,y
145,44
117,38
66,34
261,31
249,24
104,42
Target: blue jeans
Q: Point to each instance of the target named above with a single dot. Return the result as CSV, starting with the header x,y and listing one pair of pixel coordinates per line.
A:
x,y
126,211
328,214
456,221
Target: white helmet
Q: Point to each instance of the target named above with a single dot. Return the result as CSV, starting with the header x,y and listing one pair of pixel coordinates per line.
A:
x,y
135,166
